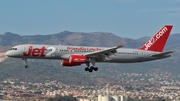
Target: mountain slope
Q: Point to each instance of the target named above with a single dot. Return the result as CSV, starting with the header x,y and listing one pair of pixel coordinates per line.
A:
x,y
66,37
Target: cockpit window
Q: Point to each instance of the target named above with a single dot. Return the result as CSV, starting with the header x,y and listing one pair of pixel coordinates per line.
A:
x,y
13,49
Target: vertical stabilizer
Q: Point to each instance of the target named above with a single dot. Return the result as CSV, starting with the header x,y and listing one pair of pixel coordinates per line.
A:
x,y
158,41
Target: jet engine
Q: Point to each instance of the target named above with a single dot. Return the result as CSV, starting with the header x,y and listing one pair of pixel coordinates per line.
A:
x,y
77,59
67,63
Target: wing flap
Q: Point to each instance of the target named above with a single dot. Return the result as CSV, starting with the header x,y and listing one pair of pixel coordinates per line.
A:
x,y
103,54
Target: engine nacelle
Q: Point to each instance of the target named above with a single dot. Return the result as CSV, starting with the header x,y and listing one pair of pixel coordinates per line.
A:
x,y
77,59
67,63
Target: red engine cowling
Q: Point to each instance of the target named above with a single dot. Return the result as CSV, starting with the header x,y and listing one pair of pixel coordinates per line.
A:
x,y
77,59
67,63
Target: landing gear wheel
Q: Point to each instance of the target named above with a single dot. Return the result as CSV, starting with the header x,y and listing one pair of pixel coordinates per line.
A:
x,y
26,66
92,67
90,70
86,69
95,69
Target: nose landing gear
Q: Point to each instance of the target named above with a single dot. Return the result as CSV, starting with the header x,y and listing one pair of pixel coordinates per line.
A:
x,y
26,66
25,63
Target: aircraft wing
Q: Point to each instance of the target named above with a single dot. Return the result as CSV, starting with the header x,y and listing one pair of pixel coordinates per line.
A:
x,y
103,54
162,54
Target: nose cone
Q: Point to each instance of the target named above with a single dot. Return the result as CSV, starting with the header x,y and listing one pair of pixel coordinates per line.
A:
x,y
8,53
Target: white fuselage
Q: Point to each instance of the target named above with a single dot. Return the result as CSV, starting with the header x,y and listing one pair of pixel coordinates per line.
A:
x,y
61,52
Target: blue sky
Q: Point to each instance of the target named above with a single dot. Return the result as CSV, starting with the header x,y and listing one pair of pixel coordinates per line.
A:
x,y
124,18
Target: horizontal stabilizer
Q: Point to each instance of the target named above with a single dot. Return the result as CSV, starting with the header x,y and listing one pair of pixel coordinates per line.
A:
x,y
162,54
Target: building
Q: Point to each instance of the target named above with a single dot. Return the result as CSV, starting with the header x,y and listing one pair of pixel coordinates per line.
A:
x,y
106,96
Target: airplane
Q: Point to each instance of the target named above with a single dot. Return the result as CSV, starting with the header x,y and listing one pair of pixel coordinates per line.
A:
x,y
77,55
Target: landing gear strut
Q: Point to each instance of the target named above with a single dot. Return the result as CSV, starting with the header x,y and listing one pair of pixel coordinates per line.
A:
x,y
90,69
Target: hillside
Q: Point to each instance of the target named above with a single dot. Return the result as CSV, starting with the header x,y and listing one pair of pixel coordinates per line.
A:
x,y
67,38
41,70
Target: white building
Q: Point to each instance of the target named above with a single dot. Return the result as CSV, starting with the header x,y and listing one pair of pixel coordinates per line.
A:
x,y
107,96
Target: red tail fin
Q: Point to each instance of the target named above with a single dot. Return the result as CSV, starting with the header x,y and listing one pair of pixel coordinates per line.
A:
x,y
158,41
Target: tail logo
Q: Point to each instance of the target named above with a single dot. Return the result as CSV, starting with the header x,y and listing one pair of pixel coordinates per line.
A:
x,y
155,38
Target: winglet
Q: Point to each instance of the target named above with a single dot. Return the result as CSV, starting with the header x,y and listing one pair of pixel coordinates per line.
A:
x,y
119,46
158,41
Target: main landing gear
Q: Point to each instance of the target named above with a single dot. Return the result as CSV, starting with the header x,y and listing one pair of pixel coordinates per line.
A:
x,y
91,69
25,63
